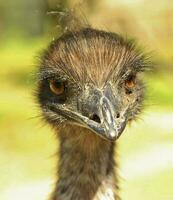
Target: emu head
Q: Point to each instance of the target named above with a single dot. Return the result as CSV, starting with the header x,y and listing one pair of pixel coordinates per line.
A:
x,y
90,78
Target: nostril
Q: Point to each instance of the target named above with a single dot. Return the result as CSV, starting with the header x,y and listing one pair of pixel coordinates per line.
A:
x,y
118,115
95,118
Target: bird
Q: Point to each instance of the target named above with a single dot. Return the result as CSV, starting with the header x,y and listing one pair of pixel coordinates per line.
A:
x,y
89,88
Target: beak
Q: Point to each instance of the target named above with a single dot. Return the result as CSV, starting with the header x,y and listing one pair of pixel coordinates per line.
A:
x,y
110,121
113,124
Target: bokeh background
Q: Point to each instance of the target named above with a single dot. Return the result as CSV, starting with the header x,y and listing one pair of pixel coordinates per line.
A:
x,y
28,146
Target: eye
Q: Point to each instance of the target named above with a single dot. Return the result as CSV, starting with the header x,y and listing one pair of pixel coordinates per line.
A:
x,y
130,82
57,87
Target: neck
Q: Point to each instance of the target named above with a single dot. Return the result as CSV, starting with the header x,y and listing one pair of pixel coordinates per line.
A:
x,y
86,167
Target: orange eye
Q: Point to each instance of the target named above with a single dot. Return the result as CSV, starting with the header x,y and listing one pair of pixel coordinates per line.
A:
x,y
130,83
57,87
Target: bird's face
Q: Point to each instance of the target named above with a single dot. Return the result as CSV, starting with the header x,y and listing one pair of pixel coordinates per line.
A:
x,y
98,89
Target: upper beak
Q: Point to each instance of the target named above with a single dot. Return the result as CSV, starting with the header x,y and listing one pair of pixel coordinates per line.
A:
x,y
111,121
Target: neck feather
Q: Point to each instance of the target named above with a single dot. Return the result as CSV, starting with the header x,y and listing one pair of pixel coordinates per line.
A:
x,y
86,166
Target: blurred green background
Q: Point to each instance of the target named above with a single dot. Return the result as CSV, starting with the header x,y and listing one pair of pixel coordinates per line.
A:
x,y
28,146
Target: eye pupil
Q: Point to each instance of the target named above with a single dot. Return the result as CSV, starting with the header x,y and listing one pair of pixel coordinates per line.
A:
x,y
57,87
58,84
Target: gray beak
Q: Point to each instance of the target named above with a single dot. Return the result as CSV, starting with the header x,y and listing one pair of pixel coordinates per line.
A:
x,y
111,124
110,121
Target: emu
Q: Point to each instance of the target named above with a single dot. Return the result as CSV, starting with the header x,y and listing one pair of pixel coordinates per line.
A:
x,y
89,88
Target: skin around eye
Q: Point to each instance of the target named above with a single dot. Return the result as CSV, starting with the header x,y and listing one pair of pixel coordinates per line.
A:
x,y
57,87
